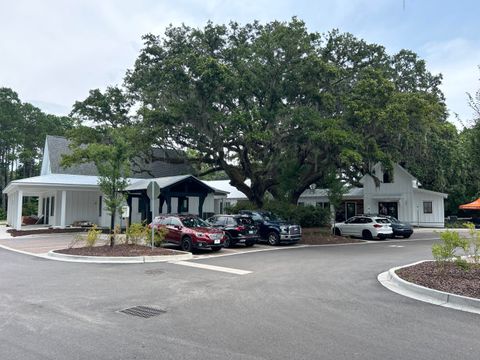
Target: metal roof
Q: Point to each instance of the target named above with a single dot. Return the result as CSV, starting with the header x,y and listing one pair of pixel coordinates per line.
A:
x,y
224,186
58,146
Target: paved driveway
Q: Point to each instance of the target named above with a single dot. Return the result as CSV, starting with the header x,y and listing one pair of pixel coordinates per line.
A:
x,y
298,303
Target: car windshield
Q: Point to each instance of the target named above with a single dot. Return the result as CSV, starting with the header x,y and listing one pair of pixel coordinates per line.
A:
x,y
271,217
392,220
193,222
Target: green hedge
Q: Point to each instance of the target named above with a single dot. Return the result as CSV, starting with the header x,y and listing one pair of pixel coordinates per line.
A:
x,y
306,216
3,215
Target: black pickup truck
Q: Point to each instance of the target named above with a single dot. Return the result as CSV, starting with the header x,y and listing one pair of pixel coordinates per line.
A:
x,y
273,229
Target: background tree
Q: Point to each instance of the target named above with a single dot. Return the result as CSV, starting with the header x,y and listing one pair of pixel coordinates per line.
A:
x,y
23,128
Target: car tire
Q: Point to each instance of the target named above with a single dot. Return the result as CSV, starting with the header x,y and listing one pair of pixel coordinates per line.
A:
x,y
337,232
186,244
228,241
273,238
215,249
367,235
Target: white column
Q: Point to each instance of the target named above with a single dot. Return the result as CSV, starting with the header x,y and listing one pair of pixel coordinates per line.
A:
x,y
63,209
18,222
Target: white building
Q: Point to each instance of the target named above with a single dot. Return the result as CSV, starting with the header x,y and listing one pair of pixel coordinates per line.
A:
x,y
70,195
397,194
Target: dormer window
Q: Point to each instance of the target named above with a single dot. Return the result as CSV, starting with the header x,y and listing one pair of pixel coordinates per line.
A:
x,y
387,177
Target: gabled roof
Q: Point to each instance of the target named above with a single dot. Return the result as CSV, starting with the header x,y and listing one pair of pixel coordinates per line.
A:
x,y
430,192
224,186
56,146
165,182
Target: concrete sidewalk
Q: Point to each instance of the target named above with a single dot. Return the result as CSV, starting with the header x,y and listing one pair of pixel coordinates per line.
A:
x,y
36,244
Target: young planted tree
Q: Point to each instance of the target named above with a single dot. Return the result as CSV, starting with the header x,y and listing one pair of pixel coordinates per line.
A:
x,y
336,190
105,142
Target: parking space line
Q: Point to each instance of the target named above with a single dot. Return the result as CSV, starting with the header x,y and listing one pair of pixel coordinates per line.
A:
x,y
213,267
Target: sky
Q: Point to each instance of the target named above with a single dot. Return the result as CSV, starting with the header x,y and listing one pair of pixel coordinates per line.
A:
x,y
52,52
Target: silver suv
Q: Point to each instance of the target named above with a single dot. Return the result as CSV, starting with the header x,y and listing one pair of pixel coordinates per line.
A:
x,y
364,226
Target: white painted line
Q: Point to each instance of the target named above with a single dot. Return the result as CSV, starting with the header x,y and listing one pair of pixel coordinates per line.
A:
x,y
396,246
43,255
212,267
241,252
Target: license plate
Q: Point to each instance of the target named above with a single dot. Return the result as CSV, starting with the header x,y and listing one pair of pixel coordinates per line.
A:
x,y
216,241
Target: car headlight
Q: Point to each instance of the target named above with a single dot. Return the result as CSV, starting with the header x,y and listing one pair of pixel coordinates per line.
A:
x,y
284,229
199,234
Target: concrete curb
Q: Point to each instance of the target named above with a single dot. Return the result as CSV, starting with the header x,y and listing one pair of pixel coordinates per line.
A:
x,y
393,282
119,259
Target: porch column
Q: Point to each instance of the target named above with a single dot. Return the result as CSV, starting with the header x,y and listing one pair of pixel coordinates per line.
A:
x,y
18,215
201,200
63,209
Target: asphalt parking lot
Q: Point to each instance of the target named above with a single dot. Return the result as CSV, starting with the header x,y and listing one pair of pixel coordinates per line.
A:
x,y
293,303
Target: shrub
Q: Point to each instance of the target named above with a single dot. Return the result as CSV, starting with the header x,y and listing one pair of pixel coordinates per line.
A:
x,y
446,250
305,216
135,234
159,236
474,241
3,215
77,238
92,236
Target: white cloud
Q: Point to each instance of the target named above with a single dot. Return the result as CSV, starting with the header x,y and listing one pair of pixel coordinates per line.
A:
x,y
458,60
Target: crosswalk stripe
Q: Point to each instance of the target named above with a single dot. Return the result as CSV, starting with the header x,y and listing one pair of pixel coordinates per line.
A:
x,y
213,267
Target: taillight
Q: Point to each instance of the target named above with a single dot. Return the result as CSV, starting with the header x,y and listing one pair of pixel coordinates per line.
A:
x,y
377,226
240,228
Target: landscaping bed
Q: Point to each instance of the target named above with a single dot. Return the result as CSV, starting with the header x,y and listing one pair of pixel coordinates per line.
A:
x,y
119,250
322,236
451,278
16,233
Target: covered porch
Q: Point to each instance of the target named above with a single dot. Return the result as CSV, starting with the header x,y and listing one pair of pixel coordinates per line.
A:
x,y
178,195
62,200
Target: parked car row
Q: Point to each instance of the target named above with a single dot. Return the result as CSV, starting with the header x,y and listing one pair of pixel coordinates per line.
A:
x,y
373,226
248,227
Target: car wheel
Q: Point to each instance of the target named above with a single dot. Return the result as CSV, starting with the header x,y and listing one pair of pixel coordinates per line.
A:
x,y
337,232
273,238
215,249
186,244
367,235
228,240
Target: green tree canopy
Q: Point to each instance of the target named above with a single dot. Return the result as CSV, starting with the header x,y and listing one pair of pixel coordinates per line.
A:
x,y
282,106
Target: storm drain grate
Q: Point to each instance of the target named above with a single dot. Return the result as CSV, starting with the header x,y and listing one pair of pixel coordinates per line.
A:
x,y
143,311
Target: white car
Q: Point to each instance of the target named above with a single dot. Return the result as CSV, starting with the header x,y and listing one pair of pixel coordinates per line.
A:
x,y
367,227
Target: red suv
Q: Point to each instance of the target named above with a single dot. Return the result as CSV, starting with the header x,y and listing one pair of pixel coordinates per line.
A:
x,y
190,232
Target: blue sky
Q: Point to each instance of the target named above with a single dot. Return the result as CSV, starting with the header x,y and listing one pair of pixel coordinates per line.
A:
x,y
53,52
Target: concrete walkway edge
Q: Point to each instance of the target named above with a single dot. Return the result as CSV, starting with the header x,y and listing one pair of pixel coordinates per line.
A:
x,y
393,282
119,259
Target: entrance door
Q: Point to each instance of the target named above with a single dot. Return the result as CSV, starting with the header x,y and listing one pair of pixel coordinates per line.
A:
x,y
350,209
388,208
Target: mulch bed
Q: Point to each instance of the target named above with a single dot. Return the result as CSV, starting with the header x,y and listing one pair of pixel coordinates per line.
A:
x,y
119,250
15,232
322,236
453,279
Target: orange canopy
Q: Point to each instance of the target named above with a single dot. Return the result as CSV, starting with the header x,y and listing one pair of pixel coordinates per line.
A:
x,y
471,206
